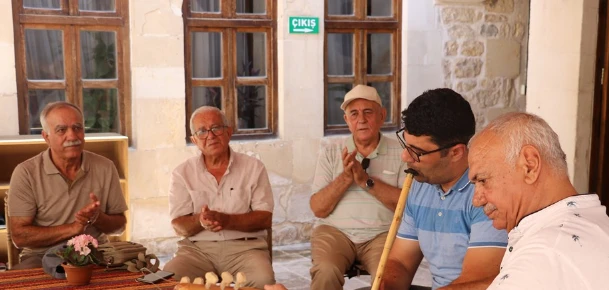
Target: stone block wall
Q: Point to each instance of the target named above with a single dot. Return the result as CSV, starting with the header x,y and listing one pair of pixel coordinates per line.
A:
x,y
484,56
562,78
424,49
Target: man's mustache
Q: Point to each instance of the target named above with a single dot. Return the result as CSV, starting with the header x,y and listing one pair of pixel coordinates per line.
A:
x,y
488,208
72,143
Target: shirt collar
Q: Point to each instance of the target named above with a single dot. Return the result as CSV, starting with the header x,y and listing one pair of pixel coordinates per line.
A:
x,y
381,148
231,159
49,166
461,184
569,203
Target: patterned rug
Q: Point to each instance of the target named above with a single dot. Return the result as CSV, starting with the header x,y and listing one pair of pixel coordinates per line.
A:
x,y
38,279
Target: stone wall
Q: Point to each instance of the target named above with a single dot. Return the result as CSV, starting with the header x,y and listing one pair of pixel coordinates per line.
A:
x,y
561,74
485,44
423,43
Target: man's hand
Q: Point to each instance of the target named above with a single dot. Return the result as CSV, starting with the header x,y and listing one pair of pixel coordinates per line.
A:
x,y
212,220
348,163
78,226
359,175
88,214
353,169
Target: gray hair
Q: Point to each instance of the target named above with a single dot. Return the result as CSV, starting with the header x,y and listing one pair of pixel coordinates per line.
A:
x,y
56,105
518,129
205,109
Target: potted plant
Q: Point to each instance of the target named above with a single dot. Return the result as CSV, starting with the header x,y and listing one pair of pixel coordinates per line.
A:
x,y
79,255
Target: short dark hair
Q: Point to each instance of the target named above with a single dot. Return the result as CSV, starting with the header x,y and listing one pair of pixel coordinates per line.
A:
x,y
442,114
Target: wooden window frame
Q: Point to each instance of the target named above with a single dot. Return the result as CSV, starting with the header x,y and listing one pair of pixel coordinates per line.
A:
x,y
360,26
229,23
71,21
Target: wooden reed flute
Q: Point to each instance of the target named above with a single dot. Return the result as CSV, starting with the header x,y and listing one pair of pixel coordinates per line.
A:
x,y
397,219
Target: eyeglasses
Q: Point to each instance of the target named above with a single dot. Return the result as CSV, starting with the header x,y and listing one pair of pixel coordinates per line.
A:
x,y
217,131
416,156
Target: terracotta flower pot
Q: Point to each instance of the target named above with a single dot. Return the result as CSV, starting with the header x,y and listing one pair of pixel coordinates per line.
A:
x,y
78,276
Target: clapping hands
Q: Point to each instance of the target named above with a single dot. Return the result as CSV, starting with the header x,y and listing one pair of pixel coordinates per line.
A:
x,y
212,220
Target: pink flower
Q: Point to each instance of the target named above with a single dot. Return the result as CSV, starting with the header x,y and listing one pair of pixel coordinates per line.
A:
x,y
81,244
80,251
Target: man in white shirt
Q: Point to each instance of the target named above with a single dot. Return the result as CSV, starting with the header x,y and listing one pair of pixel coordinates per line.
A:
x,y
221,203
557,238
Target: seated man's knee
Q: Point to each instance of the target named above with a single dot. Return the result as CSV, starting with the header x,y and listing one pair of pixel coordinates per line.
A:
x,y
29,262
259,283
260,276
326,275
181,268
325,267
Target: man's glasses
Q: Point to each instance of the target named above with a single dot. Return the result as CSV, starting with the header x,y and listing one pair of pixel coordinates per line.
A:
x,y
217,131
416,156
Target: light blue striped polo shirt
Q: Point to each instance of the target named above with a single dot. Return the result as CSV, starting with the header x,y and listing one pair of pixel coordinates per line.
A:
x,y
446,225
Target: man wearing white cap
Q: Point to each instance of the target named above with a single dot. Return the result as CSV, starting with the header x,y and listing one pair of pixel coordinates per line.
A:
x,y
356,188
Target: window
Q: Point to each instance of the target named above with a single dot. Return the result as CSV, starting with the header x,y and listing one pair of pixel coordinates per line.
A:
x,y
230,62
362,46
75,51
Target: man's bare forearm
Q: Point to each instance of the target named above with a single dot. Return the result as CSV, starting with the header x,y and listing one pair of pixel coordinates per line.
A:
x,y
324,201
187,226
396,276
473,285
385,193
37,237
250,222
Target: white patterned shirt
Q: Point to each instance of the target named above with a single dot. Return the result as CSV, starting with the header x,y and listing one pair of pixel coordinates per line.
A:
x,y
563,246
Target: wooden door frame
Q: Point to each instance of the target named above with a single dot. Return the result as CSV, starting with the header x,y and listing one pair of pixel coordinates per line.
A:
x,y
599,154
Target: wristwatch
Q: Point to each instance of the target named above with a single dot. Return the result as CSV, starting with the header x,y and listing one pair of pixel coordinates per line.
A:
x,y
369,183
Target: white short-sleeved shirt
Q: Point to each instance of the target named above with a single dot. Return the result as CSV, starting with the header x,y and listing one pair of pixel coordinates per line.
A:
x,y
563,246
245,187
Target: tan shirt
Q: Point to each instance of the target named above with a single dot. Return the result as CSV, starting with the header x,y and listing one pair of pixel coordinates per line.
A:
x,y
245,187
38,189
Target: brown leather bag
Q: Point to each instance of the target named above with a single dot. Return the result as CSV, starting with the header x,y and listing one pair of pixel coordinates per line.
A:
x,y
128,255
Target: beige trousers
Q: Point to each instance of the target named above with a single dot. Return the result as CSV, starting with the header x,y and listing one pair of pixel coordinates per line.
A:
x,y
332,253
194,259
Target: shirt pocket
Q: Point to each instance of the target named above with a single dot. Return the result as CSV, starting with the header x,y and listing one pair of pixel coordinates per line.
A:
x,y
388,176
202,197
237,200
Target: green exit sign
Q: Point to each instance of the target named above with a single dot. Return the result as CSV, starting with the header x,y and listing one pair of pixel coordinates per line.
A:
x,y
306,25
